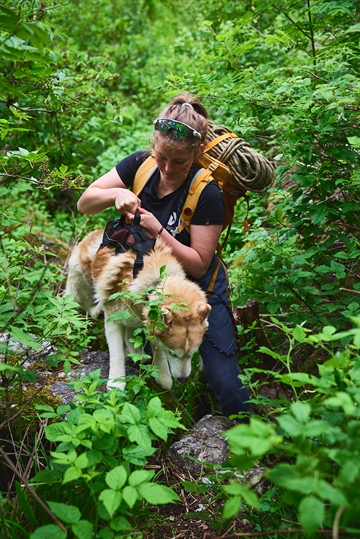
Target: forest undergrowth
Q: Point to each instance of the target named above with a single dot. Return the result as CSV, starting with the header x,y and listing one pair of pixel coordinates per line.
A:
x,y
80,84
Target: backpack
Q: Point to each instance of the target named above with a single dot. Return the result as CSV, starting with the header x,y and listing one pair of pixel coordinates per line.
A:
x,y
228,160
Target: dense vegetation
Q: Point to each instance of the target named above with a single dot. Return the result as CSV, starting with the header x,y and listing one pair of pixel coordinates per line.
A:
x,y
80,84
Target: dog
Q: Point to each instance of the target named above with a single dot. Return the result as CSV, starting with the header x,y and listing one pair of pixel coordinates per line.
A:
x,y
94,275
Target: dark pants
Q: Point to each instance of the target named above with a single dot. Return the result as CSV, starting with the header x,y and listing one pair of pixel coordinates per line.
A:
x,y
218,349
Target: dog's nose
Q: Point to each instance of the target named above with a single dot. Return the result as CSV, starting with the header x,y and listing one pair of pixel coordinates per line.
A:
x,y
183,379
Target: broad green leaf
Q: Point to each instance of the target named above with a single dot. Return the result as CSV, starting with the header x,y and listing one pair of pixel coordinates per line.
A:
x,y
116,478
120,315
130,495
158,428
154,406
67,513
140,476
301,410
72,474
234,489
354,141
51,531
105,419
343,400
120,523
250,498
231,507
82,461
130,414
311,514
332,494
140,434
83,529
157,494
137,455
111,499
299,334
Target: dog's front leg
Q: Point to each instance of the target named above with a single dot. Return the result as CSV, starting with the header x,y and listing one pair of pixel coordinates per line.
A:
x,y
115,340
161,362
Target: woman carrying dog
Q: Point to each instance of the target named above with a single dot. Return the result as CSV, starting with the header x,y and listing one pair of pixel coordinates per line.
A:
x,y
178,139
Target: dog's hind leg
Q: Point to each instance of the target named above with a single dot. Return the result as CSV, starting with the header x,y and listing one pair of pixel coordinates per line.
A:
x,y
80,285
115,339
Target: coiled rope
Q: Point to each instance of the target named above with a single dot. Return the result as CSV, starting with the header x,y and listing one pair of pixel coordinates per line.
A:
x,y
249,169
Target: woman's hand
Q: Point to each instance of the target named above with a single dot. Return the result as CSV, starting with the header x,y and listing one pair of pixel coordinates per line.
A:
x,y
148,221
126,202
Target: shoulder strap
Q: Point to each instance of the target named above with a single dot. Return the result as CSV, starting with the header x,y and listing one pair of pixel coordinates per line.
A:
x,y
143,173
200,181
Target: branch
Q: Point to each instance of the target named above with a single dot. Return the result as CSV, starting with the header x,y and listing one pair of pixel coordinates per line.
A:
x,y
2,425
292,21
311,33
31,490
48,111
267,534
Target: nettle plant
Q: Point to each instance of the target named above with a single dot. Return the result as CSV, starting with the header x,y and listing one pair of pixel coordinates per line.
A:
x,y
95,478
312,440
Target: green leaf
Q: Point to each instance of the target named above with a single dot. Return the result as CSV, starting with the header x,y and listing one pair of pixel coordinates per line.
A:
x,y
105,419
51,531
25,505
301,411
72,474
120,523
354,141
111,499
231,507
311,514
158,428
140,434
250,498
154,406
130,495
157,494
299,334
83,529
120,315
140,476
130,414
116,478
67,513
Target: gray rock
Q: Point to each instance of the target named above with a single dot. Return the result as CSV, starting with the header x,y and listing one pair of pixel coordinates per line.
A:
x,y
204,442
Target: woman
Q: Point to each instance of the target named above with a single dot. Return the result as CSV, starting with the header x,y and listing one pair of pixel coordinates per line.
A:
x,y
179,137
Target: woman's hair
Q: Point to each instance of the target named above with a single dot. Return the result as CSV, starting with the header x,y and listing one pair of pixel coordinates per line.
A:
x,y
195,116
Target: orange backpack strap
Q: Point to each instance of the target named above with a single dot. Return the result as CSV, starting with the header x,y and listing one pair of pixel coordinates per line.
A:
x,y
199,182
143,173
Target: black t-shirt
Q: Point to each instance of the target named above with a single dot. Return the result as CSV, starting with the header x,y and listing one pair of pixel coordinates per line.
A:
x,y
209,210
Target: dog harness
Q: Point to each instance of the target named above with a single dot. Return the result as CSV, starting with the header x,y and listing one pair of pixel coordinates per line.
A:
x,y
124,236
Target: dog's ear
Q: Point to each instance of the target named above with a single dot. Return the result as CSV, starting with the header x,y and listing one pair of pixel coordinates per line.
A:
x,y
168,316
167,319
204,311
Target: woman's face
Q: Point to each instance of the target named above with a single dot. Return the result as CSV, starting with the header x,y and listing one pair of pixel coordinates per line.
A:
x,y
173,160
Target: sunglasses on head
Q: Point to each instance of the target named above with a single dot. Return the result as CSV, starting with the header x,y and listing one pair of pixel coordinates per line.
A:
x,y
180,129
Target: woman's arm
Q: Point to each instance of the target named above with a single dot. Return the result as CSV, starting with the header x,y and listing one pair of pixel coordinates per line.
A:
x,y
107,191
195,259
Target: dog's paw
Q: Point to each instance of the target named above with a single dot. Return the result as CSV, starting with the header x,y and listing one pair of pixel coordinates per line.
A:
x,y
111,384
165,382
95,311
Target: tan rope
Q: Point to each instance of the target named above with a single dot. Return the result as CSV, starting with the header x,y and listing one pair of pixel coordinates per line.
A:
x,y
250,169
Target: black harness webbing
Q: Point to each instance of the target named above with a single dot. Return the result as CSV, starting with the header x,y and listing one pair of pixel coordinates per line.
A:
x,y
123,236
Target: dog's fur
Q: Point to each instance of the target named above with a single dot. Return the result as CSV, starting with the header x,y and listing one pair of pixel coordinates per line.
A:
x,y
95,275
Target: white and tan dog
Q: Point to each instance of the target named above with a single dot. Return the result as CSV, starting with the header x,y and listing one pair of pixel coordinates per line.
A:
x,y
95,275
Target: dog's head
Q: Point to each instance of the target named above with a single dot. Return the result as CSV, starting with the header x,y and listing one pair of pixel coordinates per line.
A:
x,y
185,321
